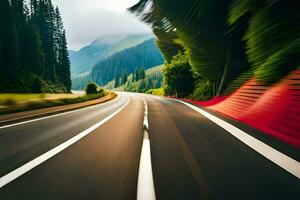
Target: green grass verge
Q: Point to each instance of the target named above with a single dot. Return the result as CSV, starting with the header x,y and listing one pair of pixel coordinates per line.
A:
x,y
33,105
158,92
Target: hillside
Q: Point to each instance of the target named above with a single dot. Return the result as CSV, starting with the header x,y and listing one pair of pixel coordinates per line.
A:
x,y
145,55
153,80
83,60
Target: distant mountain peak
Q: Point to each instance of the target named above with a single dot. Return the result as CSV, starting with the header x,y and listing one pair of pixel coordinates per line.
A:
x,y
108,40
84,60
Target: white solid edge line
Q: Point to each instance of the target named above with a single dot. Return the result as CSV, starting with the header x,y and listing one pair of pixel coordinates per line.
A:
x,y
290,165
47,117
44,157
145,187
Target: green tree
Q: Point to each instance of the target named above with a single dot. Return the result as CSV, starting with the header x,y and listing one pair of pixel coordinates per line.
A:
x,y
179,78
117,81
45,22
1,56
8,35
272,37
20,16
215,50
91,88
33,44
124,78
142,73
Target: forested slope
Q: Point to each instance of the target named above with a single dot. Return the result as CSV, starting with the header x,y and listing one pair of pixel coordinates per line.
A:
x,y
82,61
145,55
33,48
140,80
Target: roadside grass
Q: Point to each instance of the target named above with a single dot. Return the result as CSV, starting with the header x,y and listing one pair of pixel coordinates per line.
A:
x,y
158,92
9,99
33,102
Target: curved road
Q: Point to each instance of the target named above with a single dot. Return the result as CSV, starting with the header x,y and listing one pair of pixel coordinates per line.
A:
x,y
95,153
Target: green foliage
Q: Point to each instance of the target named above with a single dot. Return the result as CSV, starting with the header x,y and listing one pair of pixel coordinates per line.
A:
x,y
139,74
224,39
145,55
203,90
273,40
141,80
33,44
91,88
167,44
179,78
31,105
158,91
215,50
124,78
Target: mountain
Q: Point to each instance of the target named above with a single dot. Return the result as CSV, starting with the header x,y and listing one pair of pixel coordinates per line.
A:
x,y
145,55
82,61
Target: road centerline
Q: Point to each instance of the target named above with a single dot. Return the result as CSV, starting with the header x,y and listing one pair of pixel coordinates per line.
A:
x,y
145,189
46,156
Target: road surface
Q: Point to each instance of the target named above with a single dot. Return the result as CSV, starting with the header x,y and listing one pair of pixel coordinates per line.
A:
x,y
116,149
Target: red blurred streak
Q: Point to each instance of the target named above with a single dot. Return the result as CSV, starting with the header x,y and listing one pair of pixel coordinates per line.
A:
x,y
274,110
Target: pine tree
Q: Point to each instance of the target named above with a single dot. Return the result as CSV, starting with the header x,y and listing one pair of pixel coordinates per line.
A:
x,y
142,73
34,8
64,67
32,44
117,81
133,76
8,36
45,24
1,56
57,33
137,75
124,78
19,16
36,52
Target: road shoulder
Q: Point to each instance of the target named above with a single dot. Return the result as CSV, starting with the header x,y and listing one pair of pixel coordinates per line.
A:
x,y
27,115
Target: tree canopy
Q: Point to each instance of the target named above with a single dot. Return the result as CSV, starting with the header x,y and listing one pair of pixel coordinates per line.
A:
x,y
32,46
223,39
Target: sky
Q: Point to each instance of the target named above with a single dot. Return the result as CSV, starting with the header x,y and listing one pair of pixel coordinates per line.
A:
x,y
88,20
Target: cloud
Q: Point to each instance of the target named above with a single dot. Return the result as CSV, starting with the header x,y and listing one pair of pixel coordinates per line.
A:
x,y
87,20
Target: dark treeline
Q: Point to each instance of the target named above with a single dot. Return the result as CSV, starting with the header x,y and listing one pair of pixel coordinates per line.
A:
x,y
140,80
33,48
137,75
145,55
224,40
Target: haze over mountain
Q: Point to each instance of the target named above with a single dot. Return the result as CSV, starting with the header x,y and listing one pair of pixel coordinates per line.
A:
x,y
107,49
96,18
83,60
145,55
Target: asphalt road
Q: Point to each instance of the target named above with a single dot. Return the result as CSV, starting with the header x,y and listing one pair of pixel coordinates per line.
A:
x,y
192,157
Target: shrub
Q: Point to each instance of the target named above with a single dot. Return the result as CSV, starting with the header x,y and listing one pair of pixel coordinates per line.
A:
x,y
91,88
101,92
179,78
203,91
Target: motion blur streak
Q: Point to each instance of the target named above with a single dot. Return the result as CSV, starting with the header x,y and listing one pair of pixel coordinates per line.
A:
x,y
274,109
